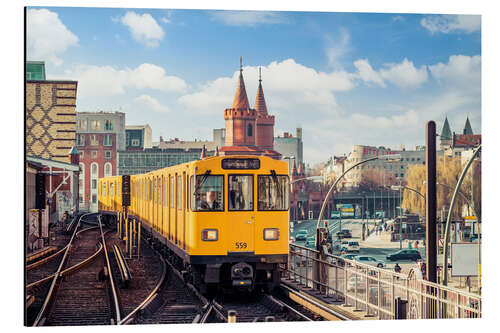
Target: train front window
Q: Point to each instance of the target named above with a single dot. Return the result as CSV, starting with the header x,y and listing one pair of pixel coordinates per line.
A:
x,y
240,192
273,192
208,194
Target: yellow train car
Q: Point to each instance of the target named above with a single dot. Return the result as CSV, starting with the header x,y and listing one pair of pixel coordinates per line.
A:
x,y
223,219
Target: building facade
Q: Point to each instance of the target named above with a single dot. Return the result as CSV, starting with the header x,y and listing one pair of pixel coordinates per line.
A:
x,y
133,162
99,137
455,144
290,146
50,115
138,137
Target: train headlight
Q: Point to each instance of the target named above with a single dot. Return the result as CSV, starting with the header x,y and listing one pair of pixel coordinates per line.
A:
x,y
271,234
209,235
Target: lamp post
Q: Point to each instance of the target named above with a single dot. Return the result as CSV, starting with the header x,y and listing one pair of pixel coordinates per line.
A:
x,y
388,158
400,187
447,227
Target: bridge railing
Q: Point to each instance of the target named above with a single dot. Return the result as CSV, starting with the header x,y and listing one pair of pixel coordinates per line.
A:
x,y
378,292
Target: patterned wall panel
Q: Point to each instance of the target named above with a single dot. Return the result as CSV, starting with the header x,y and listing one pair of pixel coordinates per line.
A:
x,y
50,118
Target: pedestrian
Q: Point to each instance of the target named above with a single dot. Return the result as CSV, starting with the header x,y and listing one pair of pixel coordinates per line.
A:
x,y
409,244
416,244
380,229
397,268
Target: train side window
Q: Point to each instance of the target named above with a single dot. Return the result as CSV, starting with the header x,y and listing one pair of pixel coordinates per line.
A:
x,y
171,192
165,189
179,192
104,189
272,192
208,194
111,189
240,192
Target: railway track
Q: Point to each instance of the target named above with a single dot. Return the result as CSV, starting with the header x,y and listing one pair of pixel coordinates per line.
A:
x,y
79,294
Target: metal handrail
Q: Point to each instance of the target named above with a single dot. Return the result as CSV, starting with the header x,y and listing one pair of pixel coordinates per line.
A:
x,y
111,280
56,276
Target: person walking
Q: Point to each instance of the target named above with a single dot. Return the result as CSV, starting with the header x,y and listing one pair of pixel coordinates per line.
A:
x,y
409,244
416,244
397,268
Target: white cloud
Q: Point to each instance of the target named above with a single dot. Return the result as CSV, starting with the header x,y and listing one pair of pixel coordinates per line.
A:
x,y
367,73
404,74
398,18
338,48
247,18
451,23
165,20
144,28
152,103
47,36
108,81
460,72
287,86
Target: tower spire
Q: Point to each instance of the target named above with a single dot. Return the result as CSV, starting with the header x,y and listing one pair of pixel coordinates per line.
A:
x,y
240,98
260,102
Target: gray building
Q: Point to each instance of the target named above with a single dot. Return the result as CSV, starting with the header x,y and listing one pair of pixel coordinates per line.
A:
x,y
102,123
133,162
138,137
288,145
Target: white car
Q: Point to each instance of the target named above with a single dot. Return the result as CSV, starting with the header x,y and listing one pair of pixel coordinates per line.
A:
x,y
353,246
370,261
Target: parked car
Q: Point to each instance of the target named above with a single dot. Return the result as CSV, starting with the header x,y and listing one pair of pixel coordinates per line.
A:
x,y
301,235
344,233
353,247
404,255
310,242
473,239
370,261
356,282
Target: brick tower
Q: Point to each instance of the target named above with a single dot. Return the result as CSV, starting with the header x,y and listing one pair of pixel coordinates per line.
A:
x,y
265,122
240,124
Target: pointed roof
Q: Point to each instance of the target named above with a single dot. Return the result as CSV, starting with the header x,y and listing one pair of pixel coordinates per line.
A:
x,y
294,169
74,151
240,97
446,132
260,102
203,152
468,128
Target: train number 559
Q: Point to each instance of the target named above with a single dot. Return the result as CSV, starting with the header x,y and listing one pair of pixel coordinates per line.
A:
x,y
241,245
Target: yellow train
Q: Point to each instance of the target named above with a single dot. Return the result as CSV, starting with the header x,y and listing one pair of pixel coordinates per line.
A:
x,y
223,219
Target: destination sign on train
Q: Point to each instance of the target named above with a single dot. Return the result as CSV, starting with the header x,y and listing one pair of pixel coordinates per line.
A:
x,y
241,163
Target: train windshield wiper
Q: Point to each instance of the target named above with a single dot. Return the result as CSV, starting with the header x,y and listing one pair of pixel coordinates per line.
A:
x,y
205,177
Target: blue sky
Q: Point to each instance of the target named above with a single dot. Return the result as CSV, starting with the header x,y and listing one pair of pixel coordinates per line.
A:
x,y
346,78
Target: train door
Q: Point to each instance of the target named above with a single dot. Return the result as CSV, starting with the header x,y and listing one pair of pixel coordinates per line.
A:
x,y
242,216
177,207
184,209
155,200
171,216
150,203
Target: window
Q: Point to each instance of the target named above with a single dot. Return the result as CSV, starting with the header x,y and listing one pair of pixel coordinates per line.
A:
x,y
82,154
95,125
81,124
179,192
208,194
108,125
171,192
108,170
93,154
108,140
107,154
135,142
80,198
272,192
80,140
111,189
402,175
249,129
94,141
240,192
93,169
94,198
94,184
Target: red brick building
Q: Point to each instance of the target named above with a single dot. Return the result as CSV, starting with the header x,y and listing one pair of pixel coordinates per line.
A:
x,y
249,131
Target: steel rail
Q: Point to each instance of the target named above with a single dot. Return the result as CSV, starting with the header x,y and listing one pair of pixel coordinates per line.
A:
x,y
111,280
129,318
67,270
40,315
312,301
288,307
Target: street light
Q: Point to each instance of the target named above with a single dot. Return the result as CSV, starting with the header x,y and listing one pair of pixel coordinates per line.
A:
x,y
400,187
387,158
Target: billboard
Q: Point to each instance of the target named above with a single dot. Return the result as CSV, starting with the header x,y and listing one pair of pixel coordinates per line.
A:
x,y
464,259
